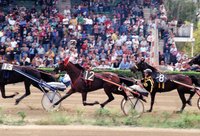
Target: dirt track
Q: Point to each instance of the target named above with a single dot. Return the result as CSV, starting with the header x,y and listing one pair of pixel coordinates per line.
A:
x,y
92,131
33,109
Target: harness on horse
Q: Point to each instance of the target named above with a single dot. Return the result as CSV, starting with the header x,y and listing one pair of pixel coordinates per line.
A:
x,y
161,79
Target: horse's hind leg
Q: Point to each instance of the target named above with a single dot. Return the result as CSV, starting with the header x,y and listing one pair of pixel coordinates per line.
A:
x,y
27,89
120,93
110,97
192,93
2,87
182,96
84,99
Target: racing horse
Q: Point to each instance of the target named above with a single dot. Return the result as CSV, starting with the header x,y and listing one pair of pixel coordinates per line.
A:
x,y
195,60
79,84
11,77
164,83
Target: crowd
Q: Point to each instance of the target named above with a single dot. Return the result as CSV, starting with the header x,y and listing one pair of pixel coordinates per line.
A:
x,y
99,34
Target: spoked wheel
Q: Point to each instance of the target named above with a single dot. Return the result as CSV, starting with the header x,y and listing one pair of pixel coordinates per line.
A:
x,y
198,103
132,106
49,99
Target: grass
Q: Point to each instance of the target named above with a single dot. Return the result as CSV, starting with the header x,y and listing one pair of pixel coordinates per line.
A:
x,y
108,117
55,118
8,120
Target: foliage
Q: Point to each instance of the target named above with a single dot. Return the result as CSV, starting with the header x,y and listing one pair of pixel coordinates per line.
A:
x,y
197,40
7,120
128,73
108,117
22,115
55,119
184,10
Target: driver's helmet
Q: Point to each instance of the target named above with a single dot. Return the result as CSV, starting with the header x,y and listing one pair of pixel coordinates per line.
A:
x,y
149,71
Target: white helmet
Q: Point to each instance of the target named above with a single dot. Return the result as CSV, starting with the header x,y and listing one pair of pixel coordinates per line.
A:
x,y
148,71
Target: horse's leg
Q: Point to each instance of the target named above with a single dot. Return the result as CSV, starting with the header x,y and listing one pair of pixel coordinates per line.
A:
x,y
153,94
192,93
27,92
120,93
110,97
70,92
3,93
84,99
182,97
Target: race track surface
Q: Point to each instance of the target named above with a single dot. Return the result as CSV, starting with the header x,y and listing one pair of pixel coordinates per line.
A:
x,y
34,111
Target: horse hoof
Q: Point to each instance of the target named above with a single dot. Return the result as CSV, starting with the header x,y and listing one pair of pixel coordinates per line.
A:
x,y
149,111
189,103
16,102
96,102
53,106
16,93
102,106
178,112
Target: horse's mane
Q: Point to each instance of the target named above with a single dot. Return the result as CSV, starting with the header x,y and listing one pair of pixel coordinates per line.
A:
x,y
152,68
79,67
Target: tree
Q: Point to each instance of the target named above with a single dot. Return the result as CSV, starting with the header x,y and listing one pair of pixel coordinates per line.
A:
x,y
184,10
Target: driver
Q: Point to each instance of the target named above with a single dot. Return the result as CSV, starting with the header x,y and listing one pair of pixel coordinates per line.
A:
x,y
146,84
65,79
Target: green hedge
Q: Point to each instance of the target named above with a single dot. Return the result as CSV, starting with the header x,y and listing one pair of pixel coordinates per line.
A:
x,y
128,73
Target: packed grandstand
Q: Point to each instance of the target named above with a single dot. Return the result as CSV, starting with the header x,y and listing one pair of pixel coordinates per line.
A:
x,y
102,34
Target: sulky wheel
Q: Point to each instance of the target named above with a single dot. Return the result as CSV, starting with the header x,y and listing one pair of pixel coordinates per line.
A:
x,y
49,99
132,106
198,103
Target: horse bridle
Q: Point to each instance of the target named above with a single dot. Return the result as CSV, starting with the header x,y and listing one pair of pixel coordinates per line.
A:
x,y
66,61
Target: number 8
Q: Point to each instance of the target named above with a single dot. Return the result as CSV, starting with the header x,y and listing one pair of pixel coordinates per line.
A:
x,y
161,78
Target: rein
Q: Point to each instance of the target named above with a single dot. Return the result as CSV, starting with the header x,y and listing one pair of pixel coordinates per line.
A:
x,y
126,89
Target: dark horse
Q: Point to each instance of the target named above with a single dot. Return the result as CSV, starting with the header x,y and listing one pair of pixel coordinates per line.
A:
x,y
79,84
168,85
195,60
10,77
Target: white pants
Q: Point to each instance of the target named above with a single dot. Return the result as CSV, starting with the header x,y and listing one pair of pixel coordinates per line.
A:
x,y
138,88
57,85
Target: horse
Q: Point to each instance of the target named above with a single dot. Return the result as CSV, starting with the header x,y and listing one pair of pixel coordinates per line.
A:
x,y
168,84
11,77
79,84
195,60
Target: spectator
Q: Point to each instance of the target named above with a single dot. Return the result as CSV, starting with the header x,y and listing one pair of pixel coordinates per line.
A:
x,y
87,36
25,60
124,64
40,51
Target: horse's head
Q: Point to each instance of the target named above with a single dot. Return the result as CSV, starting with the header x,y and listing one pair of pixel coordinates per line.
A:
x,y
195,60
62,65
139,66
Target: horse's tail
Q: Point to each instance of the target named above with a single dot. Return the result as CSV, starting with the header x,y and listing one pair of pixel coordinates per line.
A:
x,y
195,80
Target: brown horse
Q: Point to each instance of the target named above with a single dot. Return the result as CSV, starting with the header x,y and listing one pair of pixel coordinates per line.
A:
x,y
79,84
168,85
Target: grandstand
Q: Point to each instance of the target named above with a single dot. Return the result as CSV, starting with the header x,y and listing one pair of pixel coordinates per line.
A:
x,y
96,33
